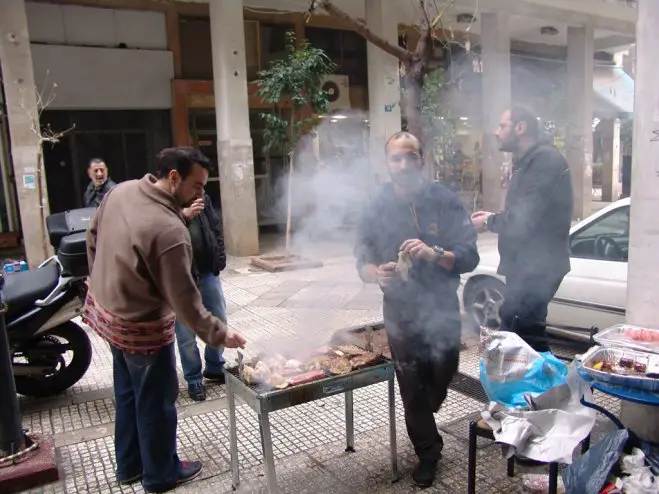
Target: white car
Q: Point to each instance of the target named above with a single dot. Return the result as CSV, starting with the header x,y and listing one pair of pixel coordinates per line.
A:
x,y
593,293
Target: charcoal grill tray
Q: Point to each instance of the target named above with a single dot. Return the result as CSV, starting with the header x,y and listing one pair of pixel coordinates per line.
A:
x,y
263,399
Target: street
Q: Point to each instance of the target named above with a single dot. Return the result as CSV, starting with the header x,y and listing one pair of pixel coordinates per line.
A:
x,y
308,440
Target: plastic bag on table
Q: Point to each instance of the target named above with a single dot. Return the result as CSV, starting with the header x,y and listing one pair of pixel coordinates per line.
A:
x,y
511,369
589,473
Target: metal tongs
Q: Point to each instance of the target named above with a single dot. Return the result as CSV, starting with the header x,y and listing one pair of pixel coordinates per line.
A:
x,y
369,338
241,365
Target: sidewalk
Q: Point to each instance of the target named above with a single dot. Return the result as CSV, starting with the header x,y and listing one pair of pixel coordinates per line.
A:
x,y
308,440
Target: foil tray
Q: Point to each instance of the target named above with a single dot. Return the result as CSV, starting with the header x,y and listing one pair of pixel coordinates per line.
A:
x,y
615,336
613,354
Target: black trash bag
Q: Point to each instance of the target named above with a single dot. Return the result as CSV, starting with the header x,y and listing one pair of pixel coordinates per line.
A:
x,y
589,472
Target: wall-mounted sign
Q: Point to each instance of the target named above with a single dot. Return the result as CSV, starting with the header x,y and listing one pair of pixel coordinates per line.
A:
x,y
29,181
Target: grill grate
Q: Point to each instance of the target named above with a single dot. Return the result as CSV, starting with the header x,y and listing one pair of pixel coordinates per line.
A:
x,y
469,386
264,388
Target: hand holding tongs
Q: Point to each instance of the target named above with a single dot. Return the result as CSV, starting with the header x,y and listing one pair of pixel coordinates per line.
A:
x,y
241,365
369,339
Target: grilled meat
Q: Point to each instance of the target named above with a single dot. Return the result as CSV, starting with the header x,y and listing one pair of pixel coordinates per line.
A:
x,y
339,365
364,360
351,350
306,377
278,381
404,265
319,363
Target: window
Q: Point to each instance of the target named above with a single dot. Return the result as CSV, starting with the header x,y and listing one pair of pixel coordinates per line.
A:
x,y
606,239
346,49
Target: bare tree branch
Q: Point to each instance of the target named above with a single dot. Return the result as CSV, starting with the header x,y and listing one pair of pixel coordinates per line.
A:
x,y
362,29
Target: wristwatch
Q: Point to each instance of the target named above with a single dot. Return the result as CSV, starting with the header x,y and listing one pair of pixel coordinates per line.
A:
x,y
439,252
486,223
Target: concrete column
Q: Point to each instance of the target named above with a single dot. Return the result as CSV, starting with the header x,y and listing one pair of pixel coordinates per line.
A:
x,y
579,138
383,86
611,186
643,270
234,141
23,114
495,53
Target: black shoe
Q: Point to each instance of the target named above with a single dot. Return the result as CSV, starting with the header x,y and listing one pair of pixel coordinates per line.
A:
x,y
215,377
187,471
424,473
197,391
130,480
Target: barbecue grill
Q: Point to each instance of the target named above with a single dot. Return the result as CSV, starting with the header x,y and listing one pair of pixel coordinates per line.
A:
x,y
263,399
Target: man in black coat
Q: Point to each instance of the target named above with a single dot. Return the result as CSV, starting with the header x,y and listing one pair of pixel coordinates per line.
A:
x,y
99,185
414,241
209,258
533,228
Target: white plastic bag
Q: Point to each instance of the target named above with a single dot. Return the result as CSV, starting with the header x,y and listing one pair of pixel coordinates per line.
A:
x,y
510,369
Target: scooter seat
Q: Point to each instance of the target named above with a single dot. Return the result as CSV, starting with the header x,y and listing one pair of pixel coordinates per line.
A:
x,y
24,288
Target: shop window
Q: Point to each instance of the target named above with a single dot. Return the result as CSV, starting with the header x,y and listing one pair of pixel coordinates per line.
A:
x,y
273,42
196,56
346,49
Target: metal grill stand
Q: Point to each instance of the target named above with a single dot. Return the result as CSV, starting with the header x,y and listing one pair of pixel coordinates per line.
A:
x,y
263,403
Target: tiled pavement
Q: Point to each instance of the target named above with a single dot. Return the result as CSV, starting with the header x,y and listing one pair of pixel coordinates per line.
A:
x,y
308,440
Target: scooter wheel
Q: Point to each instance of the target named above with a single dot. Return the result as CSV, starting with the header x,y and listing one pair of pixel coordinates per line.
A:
x,y
65,376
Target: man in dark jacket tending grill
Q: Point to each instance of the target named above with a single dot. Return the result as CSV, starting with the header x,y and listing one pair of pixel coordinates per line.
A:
x,y
426,225
533,228
209,258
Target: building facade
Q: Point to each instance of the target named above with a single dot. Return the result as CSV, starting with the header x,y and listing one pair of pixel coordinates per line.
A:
x,y
121,79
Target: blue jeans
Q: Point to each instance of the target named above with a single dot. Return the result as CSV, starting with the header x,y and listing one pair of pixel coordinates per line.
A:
x,y
145,391
212,297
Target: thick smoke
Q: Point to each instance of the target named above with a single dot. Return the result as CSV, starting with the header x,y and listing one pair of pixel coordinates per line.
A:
x,y
330,182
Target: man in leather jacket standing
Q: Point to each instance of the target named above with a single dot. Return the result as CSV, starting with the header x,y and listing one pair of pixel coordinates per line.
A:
x,y
99,185
533,228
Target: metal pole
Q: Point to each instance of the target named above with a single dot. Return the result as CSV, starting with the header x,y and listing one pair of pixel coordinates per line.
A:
x,y
11,431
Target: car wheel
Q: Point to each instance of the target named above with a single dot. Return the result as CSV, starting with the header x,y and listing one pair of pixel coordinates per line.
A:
x,y
482,300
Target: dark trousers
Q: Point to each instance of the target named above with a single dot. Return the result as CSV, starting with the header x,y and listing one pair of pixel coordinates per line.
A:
x,y
145,391
425,367
527,297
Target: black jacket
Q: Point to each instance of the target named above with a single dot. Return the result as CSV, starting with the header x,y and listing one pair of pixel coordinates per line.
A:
x,y
444,222
211,227
534,226
93,197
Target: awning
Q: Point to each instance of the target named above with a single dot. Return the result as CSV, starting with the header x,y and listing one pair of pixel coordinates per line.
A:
x,y
614,90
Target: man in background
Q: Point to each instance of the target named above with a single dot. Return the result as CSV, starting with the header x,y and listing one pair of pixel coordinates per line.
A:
x,y
426,226
100,184
533,228
140,260
209,257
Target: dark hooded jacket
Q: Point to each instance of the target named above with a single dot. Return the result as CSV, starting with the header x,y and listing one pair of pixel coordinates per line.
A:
x,y
534,227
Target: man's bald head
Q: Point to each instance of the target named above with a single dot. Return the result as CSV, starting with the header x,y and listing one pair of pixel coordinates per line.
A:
x,y
403,135
404,160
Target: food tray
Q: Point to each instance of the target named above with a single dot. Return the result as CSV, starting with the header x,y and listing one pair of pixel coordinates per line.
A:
x,y
612,354
619,335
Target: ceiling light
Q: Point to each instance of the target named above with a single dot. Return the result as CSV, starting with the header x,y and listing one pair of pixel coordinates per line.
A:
x,y
549,30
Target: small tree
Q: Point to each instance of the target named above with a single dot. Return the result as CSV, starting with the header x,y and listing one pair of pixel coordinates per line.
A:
x,y
297,78
45,135
436,114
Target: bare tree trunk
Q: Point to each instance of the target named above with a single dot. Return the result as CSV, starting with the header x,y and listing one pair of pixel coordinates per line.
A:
x,y
42,216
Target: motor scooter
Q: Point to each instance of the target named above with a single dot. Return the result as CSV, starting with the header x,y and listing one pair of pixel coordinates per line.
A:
x,y
50,352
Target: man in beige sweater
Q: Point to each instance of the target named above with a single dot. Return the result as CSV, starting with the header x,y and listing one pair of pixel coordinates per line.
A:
x,y
141,280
